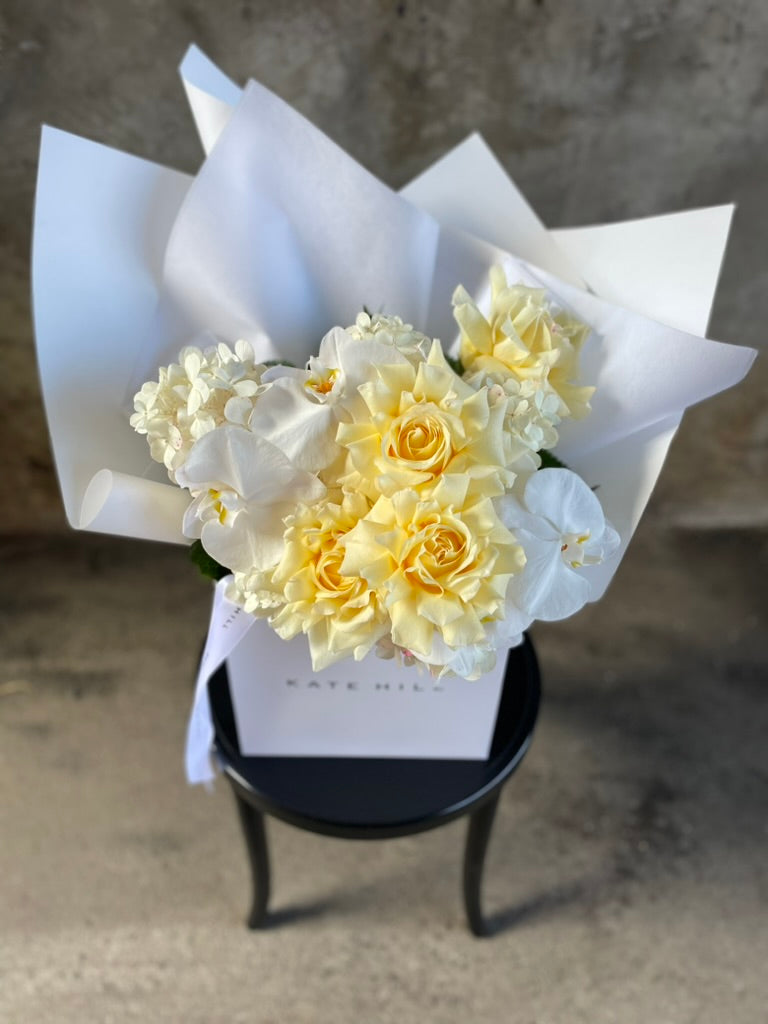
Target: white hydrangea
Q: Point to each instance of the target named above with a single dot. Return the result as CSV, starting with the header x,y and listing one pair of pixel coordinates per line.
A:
x,y
531,416
390,330
206,388
254,592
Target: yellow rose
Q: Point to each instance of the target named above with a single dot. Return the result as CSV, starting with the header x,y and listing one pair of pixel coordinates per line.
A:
x,y
421,439
416,423
439,562
524,339
337,610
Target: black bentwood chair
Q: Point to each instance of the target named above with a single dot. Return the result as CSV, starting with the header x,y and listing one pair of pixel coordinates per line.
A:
x,y
378,798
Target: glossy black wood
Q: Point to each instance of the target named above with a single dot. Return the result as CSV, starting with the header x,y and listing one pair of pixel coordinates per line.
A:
x,y
478,837
377,798
255,834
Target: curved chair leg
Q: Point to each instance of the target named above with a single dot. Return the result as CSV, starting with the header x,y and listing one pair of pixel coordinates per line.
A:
x,y
478,834
255,833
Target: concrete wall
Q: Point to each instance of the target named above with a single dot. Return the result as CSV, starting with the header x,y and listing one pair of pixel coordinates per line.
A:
x,y
599,110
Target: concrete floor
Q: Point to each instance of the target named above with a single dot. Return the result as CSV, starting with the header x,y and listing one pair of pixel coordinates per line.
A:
x,y
628,873
627,876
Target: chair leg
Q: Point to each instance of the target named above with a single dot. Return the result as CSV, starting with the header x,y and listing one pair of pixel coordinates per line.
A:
x,y
478,834
255,833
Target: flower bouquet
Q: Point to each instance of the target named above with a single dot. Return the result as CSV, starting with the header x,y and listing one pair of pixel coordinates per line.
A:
x,y
397,428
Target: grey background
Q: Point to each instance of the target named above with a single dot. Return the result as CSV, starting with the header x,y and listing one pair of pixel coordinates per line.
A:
x,y
630,853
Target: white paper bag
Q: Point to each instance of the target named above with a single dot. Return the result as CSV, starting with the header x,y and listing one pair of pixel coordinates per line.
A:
x,y
369,708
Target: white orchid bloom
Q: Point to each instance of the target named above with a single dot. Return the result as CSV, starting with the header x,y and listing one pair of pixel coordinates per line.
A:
x,y
301,409
562,529
243,486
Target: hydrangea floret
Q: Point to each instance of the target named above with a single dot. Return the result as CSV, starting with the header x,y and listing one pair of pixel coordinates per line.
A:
x,y
205,389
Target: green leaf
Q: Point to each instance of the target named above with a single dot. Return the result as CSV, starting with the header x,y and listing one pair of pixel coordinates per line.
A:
x,y
208,566
279,362
550,461
455,365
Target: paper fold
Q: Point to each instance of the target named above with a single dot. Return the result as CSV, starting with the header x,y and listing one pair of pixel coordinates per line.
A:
x,y
665,267
102,221
115,502
211,95
282,236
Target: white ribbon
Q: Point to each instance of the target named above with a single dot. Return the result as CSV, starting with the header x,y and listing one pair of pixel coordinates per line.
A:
x,y
228,625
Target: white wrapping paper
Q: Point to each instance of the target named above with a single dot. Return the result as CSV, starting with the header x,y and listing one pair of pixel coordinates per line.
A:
x,y
281,235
